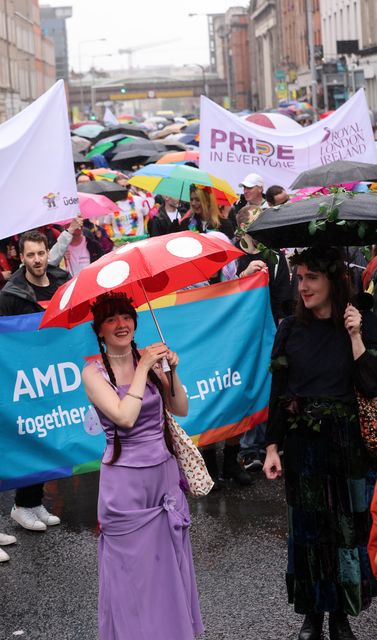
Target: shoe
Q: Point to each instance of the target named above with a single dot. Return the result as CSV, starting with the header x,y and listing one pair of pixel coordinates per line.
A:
x,y
312,627
232,469
44,516
251,462
339,627
3,556
4,539
27,519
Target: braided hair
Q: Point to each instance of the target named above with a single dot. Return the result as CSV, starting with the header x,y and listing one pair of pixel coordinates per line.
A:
x,y
105,306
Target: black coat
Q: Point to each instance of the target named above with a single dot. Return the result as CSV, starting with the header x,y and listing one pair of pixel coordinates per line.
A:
x,y
161,224
18,297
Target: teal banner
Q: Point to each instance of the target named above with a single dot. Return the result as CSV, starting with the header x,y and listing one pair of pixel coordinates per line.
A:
x,y
223,335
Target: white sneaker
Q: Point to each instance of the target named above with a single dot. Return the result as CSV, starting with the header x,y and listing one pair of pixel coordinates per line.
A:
x,y
4,539
44,516
3,556
27,519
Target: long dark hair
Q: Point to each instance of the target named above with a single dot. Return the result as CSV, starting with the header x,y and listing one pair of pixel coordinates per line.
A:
x,y
105,306
330,262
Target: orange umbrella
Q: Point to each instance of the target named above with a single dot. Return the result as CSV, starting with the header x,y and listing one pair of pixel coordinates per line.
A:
x,y
179,157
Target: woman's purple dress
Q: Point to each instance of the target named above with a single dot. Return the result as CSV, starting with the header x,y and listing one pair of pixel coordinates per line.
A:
x,y
147,586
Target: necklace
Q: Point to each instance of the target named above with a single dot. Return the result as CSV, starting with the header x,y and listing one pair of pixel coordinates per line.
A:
x,y
116,355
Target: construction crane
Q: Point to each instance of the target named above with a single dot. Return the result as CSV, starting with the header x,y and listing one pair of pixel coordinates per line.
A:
x,y
151,45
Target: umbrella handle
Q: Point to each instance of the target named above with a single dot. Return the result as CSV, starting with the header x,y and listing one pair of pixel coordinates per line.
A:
x,y
166,369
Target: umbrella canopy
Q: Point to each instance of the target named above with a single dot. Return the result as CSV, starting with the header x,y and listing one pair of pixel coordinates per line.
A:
x,y
100,148
76,125
78,158
336,173
89,131
340,219
193,127
112,190
144,270
166,131
93,206
125,129
134,152
80,144
179,157
175,180
273,121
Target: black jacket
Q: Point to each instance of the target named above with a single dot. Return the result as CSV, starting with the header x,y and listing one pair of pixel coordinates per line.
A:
x,y
18,297
161,224
225,226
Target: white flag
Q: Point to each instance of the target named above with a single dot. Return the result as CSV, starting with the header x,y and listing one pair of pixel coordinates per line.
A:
x,y
109,117
37,178
231,148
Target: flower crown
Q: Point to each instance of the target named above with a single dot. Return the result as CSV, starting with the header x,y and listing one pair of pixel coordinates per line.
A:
x,y
108,297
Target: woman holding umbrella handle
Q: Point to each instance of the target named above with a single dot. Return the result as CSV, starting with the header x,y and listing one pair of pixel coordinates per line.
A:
x,y
319,357
145,560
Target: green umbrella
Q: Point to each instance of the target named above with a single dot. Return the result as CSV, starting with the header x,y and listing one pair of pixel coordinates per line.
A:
x,y
100,148
127,140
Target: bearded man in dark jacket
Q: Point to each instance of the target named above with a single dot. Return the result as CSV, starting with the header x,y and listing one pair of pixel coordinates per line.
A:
x,y
27,291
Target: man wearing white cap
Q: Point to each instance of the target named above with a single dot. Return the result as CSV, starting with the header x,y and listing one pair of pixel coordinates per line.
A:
x,y
253,190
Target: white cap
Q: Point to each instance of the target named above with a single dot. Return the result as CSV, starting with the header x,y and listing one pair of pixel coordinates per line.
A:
x,y
252,180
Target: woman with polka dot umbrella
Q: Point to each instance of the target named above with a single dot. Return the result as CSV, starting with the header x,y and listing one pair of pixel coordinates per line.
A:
x,y
143,270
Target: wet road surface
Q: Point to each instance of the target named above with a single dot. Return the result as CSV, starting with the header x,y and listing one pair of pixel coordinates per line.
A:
x,y
49,587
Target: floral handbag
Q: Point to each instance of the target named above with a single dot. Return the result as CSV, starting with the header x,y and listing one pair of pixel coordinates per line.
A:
x,y
368,422
189,458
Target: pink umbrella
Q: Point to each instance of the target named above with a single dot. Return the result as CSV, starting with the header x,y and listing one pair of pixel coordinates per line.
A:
x,y
272,121
92,205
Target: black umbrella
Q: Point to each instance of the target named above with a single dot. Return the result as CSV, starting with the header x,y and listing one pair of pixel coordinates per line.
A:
x,y
78,158
112,190
334,220
336,172
135,153
127,130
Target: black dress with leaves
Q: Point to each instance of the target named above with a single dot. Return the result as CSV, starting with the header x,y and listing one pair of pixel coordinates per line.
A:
x,y
328,477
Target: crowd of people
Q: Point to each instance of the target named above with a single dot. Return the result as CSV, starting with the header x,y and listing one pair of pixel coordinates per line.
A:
x,y
323,350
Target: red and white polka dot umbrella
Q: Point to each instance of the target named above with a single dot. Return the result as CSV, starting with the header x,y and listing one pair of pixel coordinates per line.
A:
x,y
143,270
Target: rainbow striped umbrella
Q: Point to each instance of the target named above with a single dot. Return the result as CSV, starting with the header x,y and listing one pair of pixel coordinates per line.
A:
x,y
174,180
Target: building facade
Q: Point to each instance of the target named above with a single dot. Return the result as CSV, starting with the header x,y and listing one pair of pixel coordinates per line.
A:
x,y
294,45
350,40
265,52
53,22
229,55
27,66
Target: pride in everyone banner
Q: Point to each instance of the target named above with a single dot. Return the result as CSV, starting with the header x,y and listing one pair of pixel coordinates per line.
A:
x,y
230,148
222,333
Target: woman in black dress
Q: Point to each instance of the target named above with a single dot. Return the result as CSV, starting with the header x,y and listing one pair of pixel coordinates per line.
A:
x,y
320,355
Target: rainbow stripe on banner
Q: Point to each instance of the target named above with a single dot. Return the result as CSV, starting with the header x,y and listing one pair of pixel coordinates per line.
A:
x,y
223,334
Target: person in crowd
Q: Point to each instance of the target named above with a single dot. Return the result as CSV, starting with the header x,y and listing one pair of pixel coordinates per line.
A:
x,y
252,185
167,218
64,239
83,249
252,442
27,291
84,177
372,545
276,195
147,582
4,541
320,356
204,214
5,268
100,234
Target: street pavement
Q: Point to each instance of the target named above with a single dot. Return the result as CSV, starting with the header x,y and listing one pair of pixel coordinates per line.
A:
x,y
49,587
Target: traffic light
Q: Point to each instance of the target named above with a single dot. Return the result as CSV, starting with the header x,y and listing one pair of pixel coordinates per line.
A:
x,y
123,90
92,116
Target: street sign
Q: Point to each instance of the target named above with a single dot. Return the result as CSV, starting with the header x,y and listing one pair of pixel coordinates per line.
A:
x,y
280,74
281,91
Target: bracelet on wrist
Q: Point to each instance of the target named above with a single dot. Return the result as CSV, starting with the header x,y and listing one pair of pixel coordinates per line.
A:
x,y
133,395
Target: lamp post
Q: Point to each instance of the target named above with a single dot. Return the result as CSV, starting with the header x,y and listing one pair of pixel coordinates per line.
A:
x,y
313,70
80,69
93,87
204,77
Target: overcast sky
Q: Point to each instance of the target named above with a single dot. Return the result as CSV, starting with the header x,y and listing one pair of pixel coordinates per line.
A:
x,y
139,23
